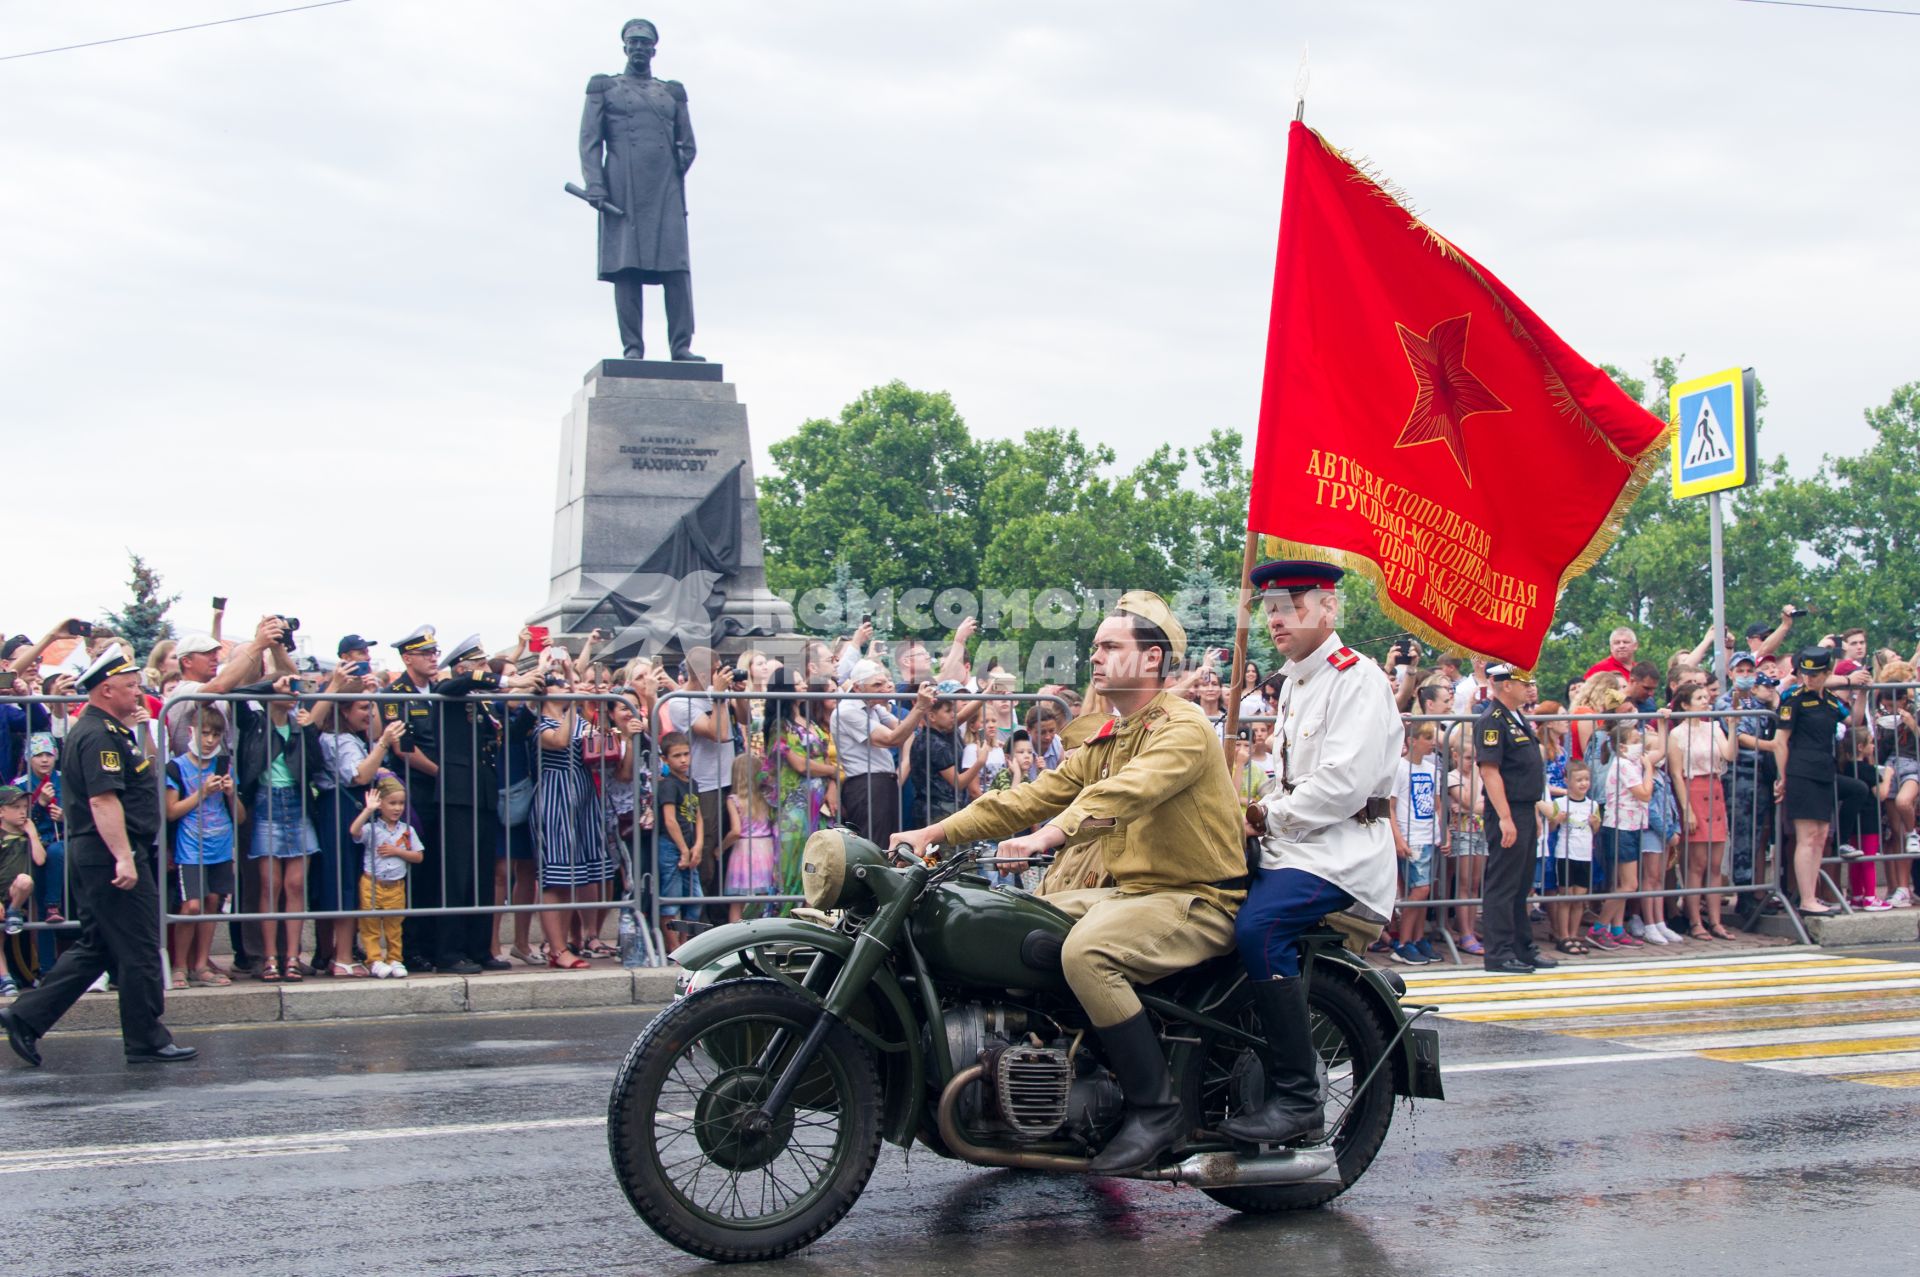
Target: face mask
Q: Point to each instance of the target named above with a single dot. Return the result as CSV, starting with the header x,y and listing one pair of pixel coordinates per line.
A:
x,y
1743,681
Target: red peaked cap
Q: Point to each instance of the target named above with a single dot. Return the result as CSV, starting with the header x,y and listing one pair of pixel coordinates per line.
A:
x,y
1296,574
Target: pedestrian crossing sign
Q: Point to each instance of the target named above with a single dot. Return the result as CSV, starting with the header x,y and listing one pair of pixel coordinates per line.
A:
x,y
1712,432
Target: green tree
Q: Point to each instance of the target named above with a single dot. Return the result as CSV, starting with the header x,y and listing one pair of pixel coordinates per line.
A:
x,y
1867,545
142,620
893,487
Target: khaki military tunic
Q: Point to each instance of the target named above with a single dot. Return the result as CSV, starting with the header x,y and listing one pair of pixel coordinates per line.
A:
x,y
1084,864
1152,791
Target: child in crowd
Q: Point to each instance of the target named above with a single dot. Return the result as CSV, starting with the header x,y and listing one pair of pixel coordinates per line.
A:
x,y
1419,835
679,853
1623,818
1468,839
1022,766
43,786
203,811
20,856
752,846
1575,817
391,844
1858,828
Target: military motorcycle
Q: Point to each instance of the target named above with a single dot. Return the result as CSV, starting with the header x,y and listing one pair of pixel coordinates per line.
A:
x,y
917,1000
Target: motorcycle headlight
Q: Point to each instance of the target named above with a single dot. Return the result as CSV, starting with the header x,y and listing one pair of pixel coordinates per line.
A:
x,y
823,868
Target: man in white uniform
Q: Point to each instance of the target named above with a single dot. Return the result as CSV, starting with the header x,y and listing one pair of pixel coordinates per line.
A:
x,y
1327,844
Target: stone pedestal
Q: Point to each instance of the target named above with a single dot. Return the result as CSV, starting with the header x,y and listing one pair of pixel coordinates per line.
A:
x,y
655,510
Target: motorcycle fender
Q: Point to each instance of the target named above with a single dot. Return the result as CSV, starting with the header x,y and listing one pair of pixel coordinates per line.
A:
x,y
1416,1060
883,1019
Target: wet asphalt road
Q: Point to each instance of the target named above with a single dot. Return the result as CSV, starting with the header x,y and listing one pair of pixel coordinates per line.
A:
x,y
1677,1165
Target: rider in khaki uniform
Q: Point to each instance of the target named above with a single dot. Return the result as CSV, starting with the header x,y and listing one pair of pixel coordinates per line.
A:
x,y
1156,777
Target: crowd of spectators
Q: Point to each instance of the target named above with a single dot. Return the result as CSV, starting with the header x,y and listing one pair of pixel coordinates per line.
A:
x,y
1666,787
696,781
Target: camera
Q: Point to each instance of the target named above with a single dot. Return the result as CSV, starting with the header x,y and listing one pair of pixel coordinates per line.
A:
x,y
740,677
292,624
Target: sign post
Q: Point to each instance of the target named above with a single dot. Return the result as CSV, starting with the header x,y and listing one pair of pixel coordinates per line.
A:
x,y
1712,420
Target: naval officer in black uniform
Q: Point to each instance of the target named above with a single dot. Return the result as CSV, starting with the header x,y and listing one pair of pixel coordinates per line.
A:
x,y
112,806
468,732
1515,779
419,765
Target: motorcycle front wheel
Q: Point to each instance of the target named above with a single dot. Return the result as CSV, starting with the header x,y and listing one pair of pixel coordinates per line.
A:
x,y
1350,1041
683,1149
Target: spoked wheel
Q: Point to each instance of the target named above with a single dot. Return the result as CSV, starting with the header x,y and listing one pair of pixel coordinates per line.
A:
x,y
1350,1042
686,1152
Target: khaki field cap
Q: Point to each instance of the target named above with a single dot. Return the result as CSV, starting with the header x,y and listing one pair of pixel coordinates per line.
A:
x,y
1149,606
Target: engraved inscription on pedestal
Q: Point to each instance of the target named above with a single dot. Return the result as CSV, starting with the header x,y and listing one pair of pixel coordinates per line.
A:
x,y
656,532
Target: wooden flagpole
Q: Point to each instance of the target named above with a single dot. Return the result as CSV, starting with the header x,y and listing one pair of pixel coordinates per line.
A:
x,y
1236,688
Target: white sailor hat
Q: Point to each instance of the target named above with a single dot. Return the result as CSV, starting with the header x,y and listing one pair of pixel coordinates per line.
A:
x,y
467,649
421,640
105,666
1507,673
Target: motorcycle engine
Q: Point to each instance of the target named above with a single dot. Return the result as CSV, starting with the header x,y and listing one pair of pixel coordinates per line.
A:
x,y
1039,1085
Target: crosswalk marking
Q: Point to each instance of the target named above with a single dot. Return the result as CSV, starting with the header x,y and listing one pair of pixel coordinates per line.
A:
x,y
1856,1019
1882,1079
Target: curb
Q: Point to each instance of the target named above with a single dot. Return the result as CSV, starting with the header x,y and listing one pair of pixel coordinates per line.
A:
x,y
250,1002
1844,930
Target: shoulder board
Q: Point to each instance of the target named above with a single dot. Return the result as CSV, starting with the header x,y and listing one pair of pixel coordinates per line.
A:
x,y
1105,731
599,84
678,90
1343,658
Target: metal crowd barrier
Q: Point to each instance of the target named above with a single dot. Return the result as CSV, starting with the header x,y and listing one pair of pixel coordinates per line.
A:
x,y
1746,804
53,881
546,818
1895,747
864,801
1751,808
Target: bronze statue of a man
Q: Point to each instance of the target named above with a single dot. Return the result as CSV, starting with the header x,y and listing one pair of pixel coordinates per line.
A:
x,y
636,145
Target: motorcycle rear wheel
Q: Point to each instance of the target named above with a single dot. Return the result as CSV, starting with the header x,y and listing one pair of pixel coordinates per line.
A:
x,y
681,1149
1351,1042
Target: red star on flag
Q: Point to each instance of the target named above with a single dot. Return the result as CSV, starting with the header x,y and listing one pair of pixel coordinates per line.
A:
x,y
1447,393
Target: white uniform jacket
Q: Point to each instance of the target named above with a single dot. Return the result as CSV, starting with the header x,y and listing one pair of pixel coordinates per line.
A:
x,y
1342,736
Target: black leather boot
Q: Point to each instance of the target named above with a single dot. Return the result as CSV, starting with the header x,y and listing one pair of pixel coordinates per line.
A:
x,y
1294,1106
1155,1120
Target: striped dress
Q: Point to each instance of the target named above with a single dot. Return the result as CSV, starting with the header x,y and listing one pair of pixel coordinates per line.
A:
x,y
568,820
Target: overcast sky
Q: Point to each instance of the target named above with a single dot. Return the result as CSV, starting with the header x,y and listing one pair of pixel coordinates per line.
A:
x,y
293,307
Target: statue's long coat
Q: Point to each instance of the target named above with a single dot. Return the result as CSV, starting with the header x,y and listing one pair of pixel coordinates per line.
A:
x,y
636,144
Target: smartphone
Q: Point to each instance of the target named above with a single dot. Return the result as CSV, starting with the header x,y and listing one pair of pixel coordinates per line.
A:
x,y
296,685
537,638
360,669
80,629
1797,612
7,680
866,618
222,765
219,602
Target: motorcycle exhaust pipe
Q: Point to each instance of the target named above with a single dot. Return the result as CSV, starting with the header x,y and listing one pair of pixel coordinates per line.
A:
x,y
1228,1170
967,1151
1202,1170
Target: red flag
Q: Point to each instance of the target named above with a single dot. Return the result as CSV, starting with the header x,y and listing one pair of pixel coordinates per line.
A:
x,y
1422,426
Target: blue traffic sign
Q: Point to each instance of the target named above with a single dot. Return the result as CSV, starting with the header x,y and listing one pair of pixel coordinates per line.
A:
x,y
1712,433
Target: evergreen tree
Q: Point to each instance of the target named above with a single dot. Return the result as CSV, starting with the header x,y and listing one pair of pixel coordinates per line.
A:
x,y
1203,602
142,620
